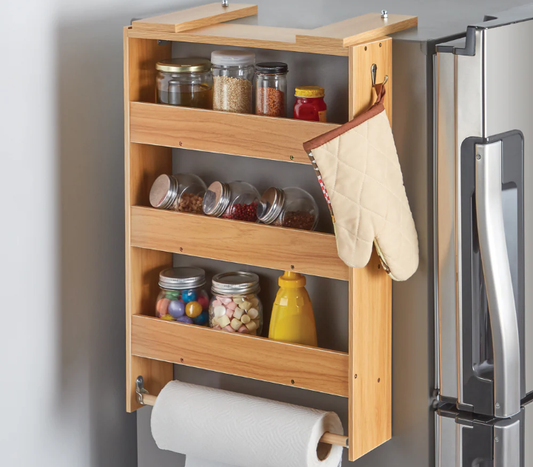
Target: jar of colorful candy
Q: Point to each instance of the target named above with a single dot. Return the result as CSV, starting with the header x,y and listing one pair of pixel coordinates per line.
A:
x,y
235,306
235,200
183,297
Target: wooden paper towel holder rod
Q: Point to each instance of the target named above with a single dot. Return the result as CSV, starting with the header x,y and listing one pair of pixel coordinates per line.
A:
x,y
145,398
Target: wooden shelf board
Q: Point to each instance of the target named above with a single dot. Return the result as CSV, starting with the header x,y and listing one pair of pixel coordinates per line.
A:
x,y
236,354
223,132
249,243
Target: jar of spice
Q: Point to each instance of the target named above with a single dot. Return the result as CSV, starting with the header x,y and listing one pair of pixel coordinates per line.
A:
x,y
185,81
183,297
289,207
271,89
233,73
235,306
235,200
179,192
310,104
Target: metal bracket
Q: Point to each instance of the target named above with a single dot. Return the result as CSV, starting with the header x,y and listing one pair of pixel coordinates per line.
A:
x,y
140,390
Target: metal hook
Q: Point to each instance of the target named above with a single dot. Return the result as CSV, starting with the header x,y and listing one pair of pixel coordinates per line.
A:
x,y
139,390
225,3
373,72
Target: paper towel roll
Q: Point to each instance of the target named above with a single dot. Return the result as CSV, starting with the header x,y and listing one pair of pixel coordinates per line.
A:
x,y
241,430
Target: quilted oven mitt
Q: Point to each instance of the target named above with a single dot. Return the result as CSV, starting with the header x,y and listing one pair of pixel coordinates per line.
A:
x,y
358,169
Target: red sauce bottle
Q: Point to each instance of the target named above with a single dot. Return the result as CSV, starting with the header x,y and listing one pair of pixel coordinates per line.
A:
x,y
310,104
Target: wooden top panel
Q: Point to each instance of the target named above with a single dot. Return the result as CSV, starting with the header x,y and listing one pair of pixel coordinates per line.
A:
x,y
194,18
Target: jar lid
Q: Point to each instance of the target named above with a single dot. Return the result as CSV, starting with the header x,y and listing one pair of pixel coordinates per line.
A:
x,y
270,205
216,199
163,192
232,58
309,91
181,278
184,65
272,67
233,283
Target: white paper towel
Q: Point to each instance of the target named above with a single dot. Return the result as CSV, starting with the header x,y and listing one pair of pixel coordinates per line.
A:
x,y
241,430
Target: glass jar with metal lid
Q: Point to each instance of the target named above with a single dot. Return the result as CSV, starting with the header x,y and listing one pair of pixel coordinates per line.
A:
x,y
235,306
233,74
271,89
236,200
183,297
288,207
179,192
185,81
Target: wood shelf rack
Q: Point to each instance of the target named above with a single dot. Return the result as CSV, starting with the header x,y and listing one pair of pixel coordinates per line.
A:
x,y
363,374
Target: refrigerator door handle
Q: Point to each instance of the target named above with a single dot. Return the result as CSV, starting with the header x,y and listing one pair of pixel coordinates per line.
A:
x,y
497,272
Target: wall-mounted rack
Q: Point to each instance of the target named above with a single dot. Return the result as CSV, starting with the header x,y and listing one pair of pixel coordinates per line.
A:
x,y
363,374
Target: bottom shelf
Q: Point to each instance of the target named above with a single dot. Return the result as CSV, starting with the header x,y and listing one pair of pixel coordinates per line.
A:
x,y
241,355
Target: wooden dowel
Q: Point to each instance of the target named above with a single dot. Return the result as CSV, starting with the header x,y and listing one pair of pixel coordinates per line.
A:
x,y
327,438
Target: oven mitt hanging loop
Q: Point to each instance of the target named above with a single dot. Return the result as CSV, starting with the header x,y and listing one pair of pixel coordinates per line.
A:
x,y
358,169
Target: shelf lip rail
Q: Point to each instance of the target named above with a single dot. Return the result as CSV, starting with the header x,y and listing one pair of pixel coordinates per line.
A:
x,y
145,398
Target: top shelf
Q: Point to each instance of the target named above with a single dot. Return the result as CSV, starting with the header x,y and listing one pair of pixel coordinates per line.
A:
x,y
205,25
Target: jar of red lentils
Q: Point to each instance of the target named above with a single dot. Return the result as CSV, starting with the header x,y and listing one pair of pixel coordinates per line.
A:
x,y
236,200
271,89
310,104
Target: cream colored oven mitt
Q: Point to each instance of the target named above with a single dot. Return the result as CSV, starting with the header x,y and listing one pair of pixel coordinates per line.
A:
x,y
358,168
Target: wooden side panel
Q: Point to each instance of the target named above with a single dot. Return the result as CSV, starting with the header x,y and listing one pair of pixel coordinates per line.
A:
x,y
197,17
370,315
223,132
142,165
277,362
260,245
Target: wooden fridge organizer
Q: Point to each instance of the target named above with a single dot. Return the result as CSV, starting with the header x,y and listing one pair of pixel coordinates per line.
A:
x,y
363,375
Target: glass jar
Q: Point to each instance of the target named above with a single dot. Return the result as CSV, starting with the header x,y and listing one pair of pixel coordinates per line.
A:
x,y
288,207
235,306
233,73
235,200
185,81
182,297
179,192
271,89
310,104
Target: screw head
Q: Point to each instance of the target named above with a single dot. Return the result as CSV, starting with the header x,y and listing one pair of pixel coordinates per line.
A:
x,y
384,14
478,157
496,439
291,158
497,405
355,376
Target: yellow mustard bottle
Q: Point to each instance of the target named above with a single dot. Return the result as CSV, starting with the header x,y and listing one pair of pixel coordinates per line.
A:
x,y
292,314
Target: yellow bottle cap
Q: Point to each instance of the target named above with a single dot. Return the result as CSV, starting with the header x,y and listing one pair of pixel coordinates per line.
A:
x,y
309,91
291,280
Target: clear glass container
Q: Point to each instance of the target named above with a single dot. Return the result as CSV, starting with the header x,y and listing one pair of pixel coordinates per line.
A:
x,y
179,192
310,104
271,89
288,207
235,306
236,200
185,81
233,74
183,297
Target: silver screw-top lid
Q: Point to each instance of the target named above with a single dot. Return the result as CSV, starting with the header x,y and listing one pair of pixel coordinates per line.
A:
x,y
216,199
270,205
163,192
181,278
235,283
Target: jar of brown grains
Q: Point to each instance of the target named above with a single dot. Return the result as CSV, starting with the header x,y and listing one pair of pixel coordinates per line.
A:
x,y
271,89
179,192
288,207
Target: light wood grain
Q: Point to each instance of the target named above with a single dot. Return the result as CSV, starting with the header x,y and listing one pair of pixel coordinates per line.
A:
x,y
197,17
358,30
141,164
224,132
260,245
236,354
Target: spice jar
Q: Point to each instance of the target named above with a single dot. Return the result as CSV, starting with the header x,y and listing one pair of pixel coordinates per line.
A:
x,y
289,207
233,72
185,81
271,89
235,200
235,306
179,192
310,104
182,297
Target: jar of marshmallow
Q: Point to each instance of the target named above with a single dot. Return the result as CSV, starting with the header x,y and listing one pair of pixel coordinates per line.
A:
x,y
235,306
